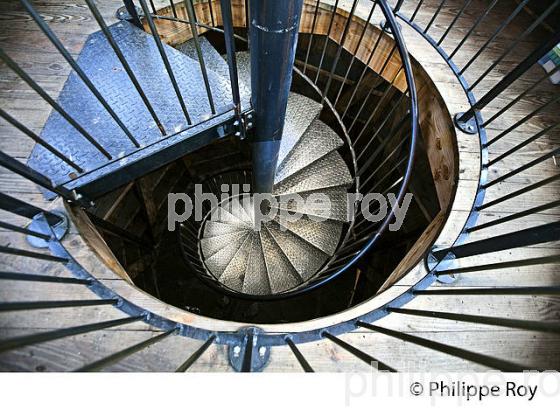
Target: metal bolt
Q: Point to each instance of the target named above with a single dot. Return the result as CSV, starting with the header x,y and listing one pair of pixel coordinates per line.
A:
x,y
236,350
249,125
238,134
262,350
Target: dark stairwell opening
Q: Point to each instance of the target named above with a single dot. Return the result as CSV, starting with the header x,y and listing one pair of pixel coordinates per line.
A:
x,y
140,207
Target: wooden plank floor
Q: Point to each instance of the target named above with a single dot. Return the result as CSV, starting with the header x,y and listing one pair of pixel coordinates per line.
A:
x,y
71,20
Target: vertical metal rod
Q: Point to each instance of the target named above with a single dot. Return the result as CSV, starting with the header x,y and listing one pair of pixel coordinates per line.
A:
x,y
434,17
153,6
358,44
38,140
196,355
357,352
18,207
512,76
315,13
131,9
83,76
211,11
301,360
496,33
27,340
416,10
25,77
397,6
522,168
273,37
194,31
484,360
116,357
227,21
173,10
519,192
513,45
523,144
122,59
29,277
246,365
36,255
331,21
17,167
473,28
526,237
455,19
501,265
54,304
165,60
25,231
522,121
520,96
340,47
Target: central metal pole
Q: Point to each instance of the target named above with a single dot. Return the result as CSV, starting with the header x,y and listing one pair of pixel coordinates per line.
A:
x,y
273,32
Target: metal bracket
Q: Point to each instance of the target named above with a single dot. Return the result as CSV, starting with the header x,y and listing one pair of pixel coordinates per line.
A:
x,y
386,28
260,352
123,14
446,262
37,224
468,127
244,124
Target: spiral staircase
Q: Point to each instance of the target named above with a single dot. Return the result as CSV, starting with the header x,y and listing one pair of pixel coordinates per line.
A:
x,y
386,97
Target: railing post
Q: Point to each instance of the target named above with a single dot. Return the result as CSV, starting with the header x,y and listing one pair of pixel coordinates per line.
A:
x,y
464,121
273,31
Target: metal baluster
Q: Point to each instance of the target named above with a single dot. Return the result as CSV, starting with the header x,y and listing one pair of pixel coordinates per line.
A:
x,y
358,44
52,304
484,360
77,69
38,140
473,28
512,290
194,31
526,237
196,355
230,53
116,357
358,353
122,59
455,19
22,252
165,60
301,360
340,47
247,363
416,10
29,277
501,265
311,36
512,76
25,77
25,231
173,10
211,11
22,341
486,320
335,7
25,209
496,33
433,19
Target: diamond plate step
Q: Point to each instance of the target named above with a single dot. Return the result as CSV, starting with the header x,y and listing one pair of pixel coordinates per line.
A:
x,y
281,273
217,63
221,214
323,235
300,112
212,245
218,262
234,274
304,257
338,204
329,171
256,277
212,229
318,141
103,68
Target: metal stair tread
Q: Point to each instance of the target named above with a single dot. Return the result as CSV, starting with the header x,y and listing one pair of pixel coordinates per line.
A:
x,y
256,276
101,65
338,197
222,214
212,245
282,275
233,275
329,171
218,262
214,228
323,235
304,257
318,141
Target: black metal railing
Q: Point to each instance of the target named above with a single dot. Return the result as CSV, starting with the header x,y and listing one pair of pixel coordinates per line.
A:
x,y
440,262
